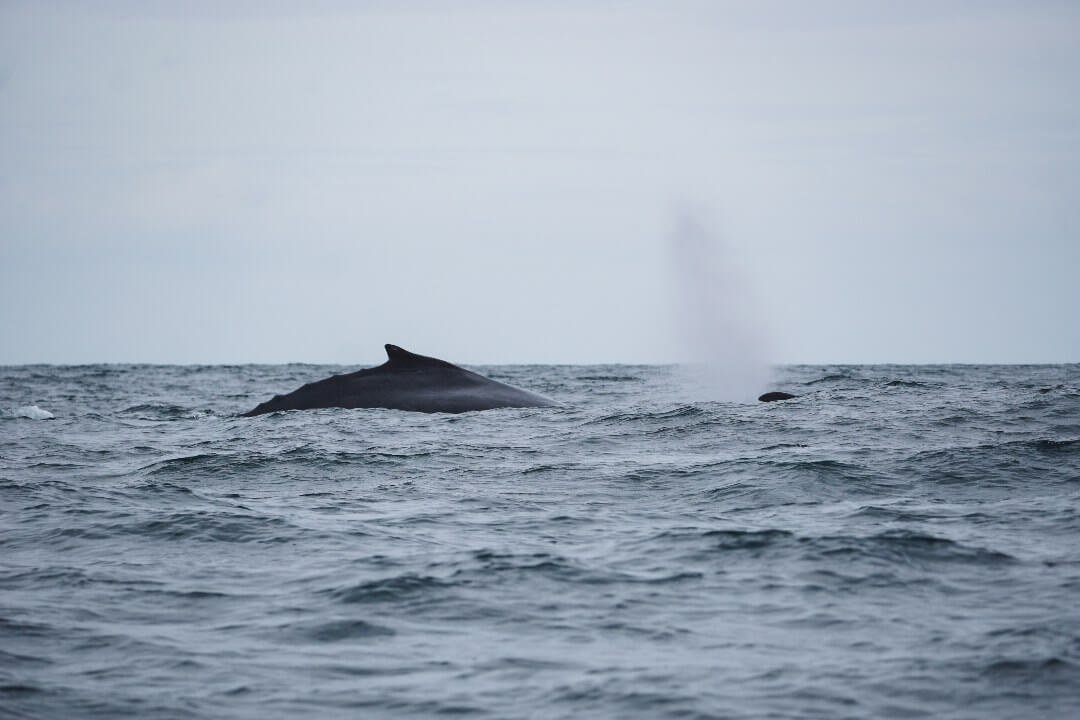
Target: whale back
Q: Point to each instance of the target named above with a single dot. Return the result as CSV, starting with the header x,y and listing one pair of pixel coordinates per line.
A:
x,y
406,381
398,358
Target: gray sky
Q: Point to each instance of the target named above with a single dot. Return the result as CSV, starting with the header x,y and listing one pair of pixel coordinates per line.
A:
x,y
506,182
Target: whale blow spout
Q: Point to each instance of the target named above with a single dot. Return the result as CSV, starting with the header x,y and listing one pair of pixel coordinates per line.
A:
x,y
406,381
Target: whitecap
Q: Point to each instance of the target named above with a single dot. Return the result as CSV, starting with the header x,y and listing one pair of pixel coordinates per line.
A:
x,y
32,412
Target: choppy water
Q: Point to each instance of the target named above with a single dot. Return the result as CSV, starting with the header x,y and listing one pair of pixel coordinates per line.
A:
x,y
898,542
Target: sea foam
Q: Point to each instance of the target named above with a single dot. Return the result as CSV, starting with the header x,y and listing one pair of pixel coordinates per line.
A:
x,y
31,412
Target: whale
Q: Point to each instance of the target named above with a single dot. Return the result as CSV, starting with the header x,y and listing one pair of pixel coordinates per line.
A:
x,y
406,381
775,396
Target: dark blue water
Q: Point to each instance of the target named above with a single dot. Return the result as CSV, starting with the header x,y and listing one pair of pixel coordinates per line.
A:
x,y
898,542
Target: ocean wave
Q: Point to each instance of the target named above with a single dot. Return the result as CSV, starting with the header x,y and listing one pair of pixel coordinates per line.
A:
x,y
199,525
30,412
913,384
1068,447
1039,671
903,514
904,548
746,539
400,588
832,378
636,416
299,461
10,627
1003,463
329,631
728,540
163,411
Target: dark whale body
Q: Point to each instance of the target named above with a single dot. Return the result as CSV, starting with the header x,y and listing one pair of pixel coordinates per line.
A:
x,y
774,396
406,381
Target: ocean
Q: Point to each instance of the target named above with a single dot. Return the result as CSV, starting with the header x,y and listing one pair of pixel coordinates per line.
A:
x,y
896,542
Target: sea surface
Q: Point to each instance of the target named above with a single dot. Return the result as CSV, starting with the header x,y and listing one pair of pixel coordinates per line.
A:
x,y
897,542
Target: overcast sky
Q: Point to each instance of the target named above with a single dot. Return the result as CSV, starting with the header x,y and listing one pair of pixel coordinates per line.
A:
x,y
516,181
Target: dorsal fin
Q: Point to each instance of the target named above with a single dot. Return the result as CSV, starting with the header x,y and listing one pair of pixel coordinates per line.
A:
x,y
400,357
